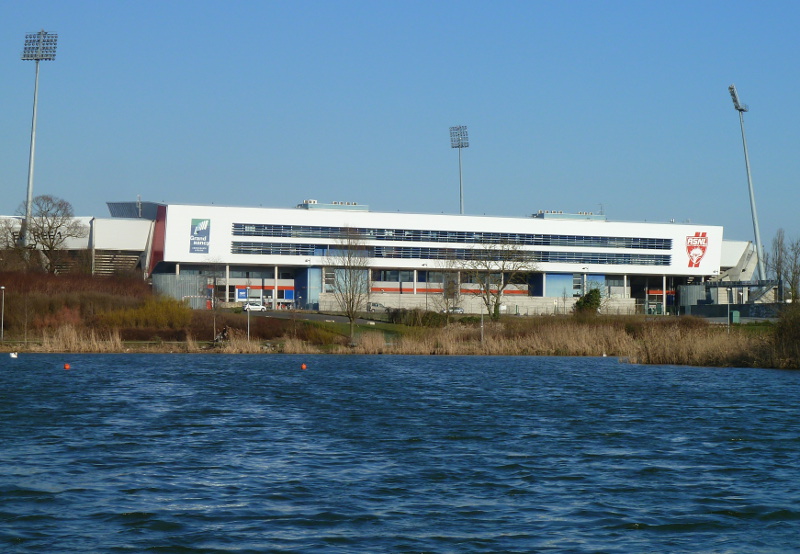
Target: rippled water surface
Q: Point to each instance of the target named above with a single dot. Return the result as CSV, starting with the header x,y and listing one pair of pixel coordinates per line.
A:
x,y
190,453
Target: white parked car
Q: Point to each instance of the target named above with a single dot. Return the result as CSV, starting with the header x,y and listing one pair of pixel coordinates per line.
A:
x,y
254,306
375,307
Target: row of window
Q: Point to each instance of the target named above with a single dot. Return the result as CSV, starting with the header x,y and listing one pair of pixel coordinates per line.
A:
x,y
456,254
461,254
218,271
469,237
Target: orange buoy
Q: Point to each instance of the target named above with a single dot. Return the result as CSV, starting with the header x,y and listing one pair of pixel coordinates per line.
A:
x,y
66,366
302,366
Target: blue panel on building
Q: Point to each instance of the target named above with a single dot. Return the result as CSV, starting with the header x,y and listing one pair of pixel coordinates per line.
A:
x,y
559,284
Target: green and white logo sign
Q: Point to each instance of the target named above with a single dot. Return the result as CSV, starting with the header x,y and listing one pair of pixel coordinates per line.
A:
x,y
200,237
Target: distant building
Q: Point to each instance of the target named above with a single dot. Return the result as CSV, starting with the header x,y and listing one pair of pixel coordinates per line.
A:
x,y
283,256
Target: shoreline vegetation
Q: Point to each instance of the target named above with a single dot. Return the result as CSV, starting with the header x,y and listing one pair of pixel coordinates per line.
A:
x,y
675,341
81,314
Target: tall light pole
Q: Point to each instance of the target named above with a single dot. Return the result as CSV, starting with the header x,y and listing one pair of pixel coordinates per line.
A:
x,y
741,108
3,316
248,313
459,139
728,302
38,46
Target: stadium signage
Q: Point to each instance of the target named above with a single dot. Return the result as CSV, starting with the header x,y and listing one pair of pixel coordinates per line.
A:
x,y
200,238
696,248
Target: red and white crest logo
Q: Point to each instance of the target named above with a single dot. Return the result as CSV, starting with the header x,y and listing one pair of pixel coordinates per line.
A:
x,y
696,248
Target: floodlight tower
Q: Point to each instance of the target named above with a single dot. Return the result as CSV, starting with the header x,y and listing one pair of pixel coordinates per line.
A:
x,y
459,139
741,108
38,46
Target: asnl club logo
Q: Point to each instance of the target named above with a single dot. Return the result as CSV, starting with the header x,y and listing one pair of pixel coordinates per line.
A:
x,y
200,237
696,248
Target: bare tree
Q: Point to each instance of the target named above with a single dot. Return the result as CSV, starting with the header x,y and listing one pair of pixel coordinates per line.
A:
x,y
216,274
491,268
794,269
783,262
348,260
12,256
52,224
451,286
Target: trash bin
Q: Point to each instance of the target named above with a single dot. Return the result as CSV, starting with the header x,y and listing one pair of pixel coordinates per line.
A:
x,y
735,316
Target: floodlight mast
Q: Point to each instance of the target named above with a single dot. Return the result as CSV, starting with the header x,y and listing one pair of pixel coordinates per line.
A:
x,y
38,46
741,108
459,139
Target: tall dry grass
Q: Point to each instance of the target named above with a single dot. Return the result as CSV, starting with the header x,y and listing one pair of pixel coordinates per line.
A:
x,y
702,347
669,341
237,343
297,346
786,353
661,343
191,344
68,338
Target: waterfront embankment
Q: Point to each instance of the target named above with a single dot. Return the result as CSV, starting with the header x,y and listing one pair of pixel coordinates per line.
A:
x,y
672,341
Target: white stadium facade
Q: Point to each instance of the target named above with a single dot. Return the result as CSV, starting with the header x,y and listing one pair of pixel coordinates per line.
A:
x,y
284,257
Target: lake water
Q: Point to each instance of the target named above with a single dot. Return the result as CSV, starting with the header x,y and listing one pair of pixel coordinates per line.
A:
x,y
196,453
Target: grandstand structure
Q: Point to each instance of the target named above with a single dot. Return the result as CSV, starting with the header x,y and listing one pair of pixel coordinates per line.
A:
x,y
286,257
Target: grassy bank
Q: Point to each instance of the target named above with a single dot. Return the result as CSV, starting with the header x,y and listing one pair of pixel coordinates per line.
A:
x,y
675,341
638,340
46,313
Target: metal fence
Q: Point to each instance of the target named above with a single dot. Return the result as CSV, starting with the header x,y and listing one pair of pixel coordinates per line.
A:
x,y
192,289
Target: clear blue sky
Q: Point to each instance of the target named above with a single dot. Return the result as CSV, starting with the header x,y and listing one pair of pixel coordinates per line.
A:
x,y
569,105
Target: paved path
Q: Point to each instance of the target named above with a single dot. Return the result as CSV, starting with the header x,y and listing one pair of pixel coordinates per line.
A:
x,y
308,316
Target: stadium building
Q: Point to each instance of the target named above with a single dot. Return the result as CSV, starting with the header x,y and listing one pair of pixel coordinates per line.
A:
x,y
286,257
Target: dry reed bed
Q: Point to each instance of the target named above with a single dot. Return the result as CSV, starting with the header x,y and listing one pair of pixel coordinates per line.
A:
x,y
670,345
70,339
703,347
653,344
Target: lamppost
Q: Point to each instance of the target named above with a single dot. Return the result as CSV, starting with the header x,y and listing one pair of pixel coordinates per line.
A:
x,y
3,316
248,313
741,108
38,46
728,301
584,270
459,139
426,285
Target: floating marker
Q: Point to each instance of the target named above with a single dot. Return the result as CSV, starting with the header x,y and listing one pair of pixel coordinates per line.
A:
x,y
66,366
302,366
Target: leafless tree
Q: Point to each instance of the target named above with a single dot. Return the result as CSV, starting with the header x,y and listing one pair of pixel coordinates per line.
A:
x,y
216,275
793,272
449,276
491,268
12,256
451,293
783,263
52,224
348,260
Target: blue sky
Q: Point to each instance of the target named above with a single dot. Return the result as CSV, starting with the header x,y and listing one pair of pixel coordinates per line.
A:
x,y
569,105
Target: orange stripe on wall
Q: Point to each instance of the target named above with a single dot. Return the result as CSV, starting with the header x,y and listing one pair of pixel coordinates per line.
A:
x,y
253,287
393,289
